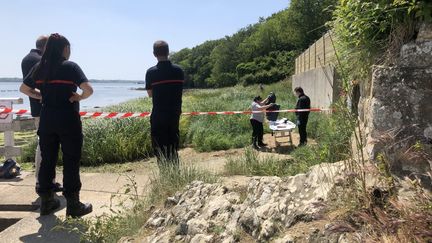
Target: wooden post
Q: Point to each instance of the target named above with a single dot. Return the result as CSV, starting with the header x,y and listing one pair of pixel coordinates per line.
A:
x,y
324,50
7,126
304,61
315,55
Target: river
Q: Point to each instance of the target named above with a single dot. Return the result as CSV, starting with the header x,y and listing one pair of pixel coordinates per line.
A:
x,y
105,94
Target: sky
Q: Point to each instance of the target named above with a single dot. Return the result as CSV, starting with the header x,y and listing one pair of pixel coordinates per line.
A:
x,y
113,39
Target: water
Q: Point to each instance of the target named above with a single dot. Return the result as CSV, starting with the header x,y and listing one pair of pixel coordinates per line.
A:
x,y
105,94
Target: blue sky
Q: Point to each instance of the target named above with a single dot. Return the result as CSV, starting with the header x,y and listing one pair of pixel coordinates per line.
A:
x,y
112,39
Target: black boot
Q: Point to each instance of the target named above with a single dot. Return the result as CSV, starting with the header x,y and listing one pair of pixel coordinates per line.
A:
x,y
48,203
255,143
75,208
261,144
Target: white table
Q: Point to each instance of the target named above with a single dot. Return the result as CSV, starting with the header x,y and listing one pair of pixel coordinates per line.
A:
x,y
282,128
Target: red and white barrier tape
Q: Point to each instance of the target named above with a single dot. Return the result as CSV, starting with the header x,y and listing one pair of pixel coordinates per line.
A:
x,y
146,114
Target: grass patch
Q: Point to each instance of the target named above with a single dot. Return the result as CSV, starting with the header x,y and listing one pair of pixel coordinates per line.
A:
x,y
251,164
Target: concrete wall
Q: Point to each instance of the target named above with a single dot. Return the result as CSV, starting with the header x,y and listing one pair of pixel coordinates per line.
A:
x,y
320,84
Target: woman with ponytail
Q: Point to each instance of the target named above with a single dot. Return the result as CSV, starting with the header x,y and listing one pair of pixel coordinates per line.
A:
x,y
54,81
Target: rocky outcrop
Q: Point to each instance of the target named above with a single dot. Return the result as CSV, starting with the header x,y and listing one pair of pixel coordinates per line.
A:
x,y
400,105
215,213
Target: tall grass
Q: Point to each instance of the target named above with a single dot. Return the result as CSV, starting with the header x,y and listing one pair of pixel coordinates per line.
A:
x,y
121,140
251,164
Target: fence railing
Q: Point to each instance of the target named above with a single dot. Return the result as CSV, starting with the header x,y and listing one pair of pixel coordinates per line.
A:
x,y
319,54
9,125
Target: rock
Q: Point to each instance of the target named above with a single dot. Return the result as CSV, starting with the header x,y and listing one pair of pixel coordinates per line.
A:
x,y
249,221
197,226
157,222
179,238
164,237
268,229
182,229
397,113
201,238
271,202
170,202
228,239
425,32
285,239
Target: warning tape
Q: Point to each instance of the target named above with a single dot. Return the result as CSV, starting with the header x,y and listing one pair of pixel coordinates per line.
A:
x,y
146,114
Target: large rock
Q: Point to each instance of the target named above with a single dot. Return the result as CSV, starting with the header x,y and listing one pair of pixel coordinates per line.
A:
x,y
398,112
212,213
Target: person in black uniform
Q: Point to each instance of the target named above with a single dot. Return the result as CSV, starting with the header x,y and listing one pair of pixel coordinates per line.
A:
x,y
27,63
164,84
54,80
303,102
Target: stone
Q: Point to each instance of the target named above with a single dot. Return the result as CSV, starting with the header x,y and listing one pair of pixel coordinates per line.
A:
x,y
285,239
197,226
268,229
170,202
425,32
397,113
182,229
165,237
201,238
157,222
272,202
249,221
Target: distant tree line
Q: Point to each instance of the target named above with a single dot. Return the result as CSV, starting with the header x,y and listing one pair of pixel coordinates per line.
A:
x,y
260,53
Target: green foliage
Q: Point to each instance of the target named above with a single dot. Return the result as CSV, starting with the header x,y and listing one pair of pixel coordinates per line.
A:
x,y
333,136
366,29
260,53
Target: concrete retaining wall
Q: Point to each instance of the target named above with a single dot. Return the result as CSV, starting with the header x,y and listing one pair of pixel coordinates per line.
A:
x,y
320,84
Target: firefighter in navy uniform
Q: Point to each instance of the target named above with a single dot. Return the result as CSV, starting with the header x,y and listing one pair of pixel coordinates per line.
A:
x,y
54,80
31,59
164,83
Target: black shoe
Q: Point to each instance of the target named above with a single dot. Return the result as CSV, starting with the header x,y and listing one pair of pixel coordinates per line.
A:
x,y
255,143
58,187
261,144
301,144
75,208
49,204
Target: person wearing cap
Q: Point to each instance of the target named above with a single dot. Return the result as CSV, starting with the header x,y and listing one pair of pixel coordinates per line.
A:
x,y
303,102
257,120
27,64
164,84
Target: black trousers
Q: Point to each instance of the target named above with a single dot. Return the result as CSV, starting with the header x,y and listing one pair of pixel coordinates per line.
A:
x,y
302,124
257,130
60,129
165,136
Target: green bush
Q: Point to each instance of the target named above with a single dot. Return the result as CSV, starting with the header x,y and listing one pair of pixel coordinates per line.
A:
x,y
333,136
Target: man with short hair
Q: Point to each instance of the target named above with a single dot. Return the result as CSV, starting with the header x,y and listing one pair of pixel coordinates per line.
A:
x,y
303,102
164,84
27,64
